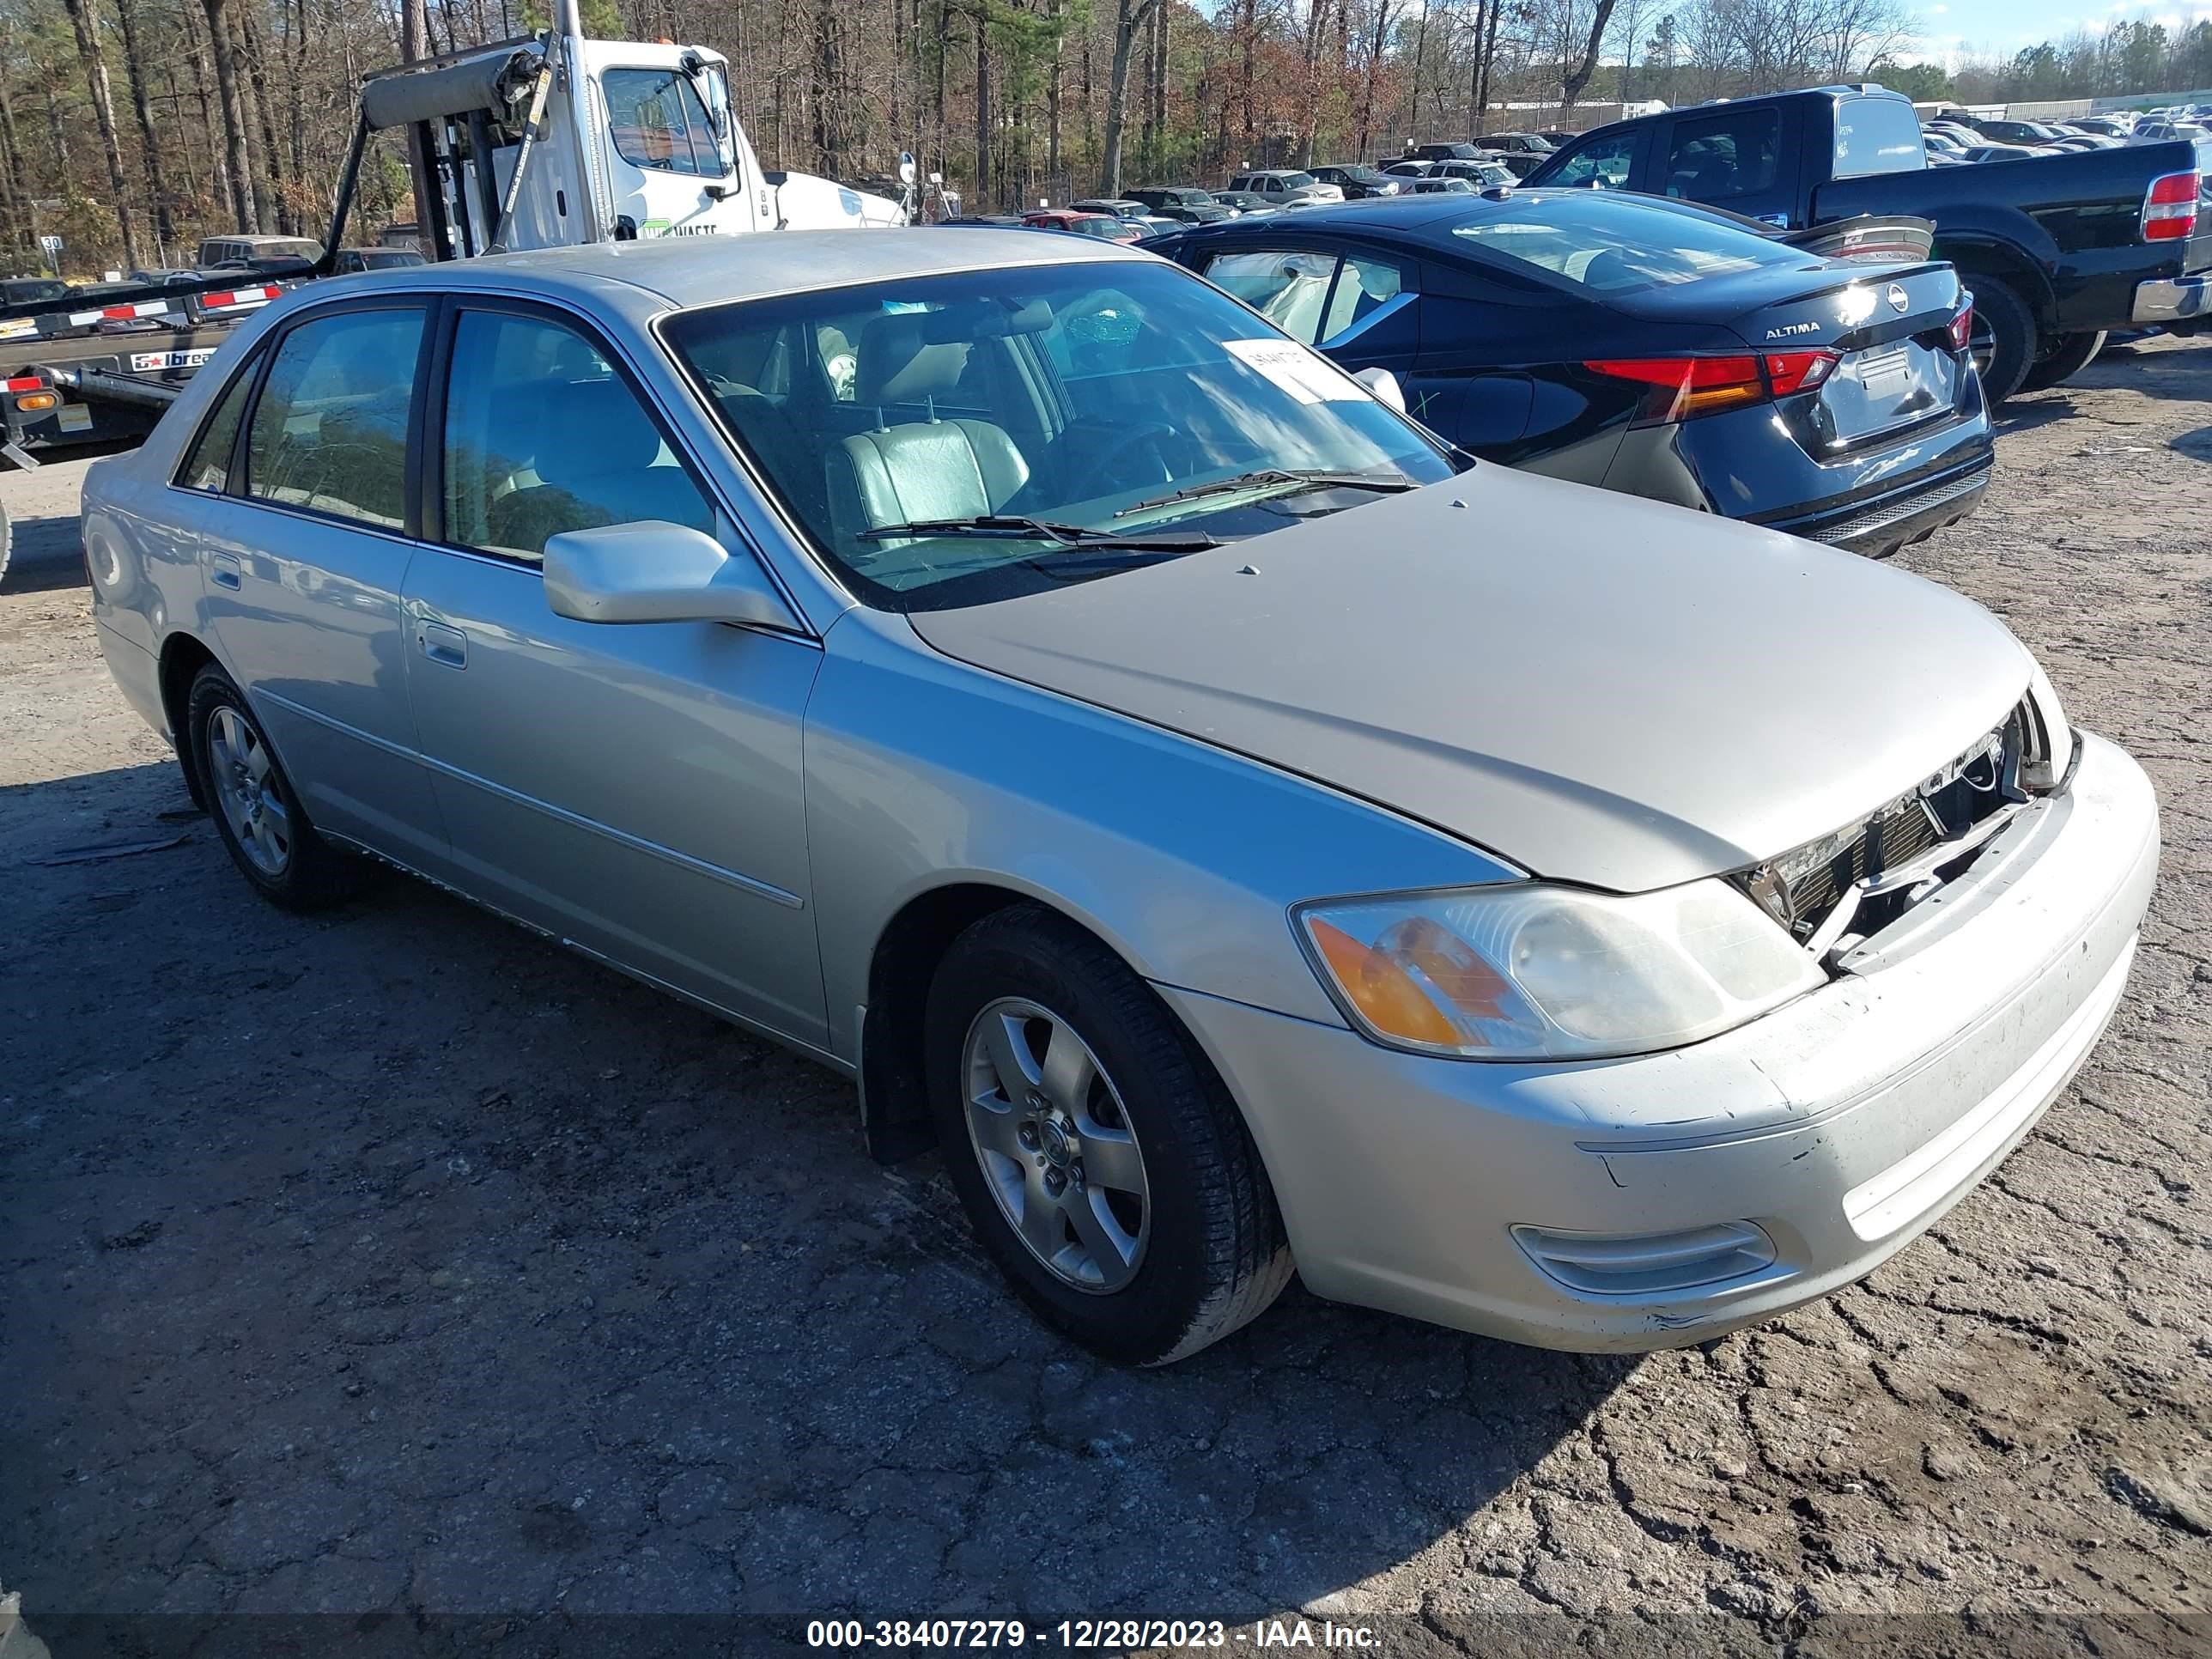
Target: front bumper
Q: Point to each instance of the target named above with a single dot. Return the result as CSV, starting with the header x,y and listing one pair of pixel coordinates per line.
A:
x,y
2171,299
1837,1126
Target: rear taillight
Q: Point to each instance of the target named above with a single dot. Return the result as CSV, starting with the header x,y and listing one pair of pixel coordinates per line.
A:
x,y
1962,329
1682,388
2169,211
1798,371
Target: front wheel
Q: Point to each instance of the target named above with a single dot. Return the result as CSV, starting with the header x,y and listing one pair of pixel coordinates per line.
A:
x,y
2069,353
1099,1158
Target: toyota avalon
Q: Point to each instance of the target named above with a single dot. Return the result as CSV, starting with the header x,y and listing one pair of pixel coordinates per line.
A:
x,y
1235,833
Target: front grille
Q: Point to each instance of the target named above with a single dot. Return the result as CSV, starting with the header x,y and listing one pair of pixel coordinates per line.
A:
x,y
1901,830
1801,887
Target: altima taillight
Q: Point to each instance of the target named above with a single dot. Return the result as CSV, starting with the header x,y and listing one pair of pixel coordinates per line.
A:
x,y
1685,387
2169,212
1962,329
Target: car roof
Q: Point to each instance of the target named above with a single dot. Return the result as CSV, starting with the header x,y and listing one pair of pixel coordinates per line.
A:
x,y
698,270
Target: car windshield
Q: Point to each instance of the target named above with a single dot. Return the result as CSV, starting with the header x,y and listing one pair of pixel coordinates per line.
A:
x,y
1033,426
1613,245
1297,180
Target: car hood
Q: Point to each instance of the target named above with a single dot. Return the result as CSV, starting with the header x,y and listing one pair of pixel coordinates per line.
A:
x,y
1598,689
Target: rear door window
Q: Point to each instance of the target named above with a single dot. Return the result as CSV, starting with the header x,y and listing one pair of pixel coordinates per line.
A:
x,y
329,434
207,467
1718,158
1363,289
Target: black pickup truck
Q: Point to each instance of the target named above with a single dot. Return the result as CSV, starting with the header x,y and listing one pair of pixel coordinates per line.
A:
x,y
2057,249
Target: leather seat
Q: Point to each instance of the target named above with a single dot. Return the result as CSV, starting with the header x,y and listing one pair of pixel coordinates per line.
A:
x,y
929,468
594,459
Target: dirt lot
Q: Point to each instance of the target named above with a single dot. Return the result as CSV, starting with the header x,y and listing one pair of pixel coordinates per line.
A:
x,y
394,1261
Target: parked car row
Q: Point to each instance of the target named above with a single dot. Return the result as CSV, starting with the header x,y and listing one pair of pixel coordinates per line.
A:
x,y
1240,829
1956,137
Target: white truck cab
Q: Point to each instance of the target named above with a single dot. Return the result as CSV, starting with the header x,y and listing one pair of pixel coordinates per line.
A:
x,y
588,141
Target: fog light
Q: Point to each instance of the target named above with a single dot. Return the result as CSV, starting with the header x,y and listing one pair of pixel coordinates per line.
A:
x,y
32,402
1644,1264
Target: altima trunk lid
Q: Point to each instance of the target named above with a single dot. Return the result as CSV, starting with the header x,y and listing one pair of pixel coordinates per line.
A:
x,y
1601,690
1870,345
1895,365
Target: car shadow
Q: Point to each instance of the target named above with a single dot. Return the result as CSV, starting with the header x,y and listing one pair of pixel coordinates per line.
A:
x,y
2026,413
44,554
407,1263
2166,367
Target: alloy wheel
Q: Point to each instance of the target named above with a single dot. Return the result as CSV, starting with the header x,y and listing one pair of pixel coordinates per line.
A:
x,y
245,788
1056,1147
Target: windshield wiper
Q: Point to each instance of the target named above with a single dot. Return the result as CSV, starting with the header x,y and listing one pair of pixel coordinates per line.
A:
x,y
1069,537
1304,477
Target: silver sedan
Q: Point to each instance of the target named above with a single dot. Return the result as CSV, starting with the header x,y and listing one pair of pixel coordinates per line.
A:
x,y
1232,828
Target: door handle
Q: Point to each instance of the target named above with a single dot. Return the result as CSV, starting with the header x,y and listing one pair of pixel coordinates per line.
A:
x,y
224,570
441,644
1775,221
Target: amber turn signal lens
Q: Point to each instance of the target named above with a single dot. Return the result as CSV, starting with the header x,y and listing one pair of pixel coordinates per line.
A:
x,y
1383,993
32,402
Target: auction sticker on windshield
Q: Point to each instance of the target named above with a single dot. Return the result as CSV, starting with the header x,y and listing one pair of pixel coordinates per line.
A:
x,y
152,362
1309,378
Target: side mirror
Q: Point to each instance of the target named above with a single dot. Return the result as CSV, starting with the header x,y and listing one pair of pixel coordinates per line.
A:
x,y
1383,384
905,167
653,571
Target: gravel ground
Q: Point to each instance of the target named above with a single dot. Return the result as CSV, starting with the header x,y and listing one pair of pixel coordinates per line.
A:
x,y
395,1262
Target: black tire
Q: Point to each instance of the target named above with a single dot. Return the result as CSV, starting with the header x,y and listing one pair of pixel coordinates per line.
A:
x,y
314,875
2067,356
1216,1256
2012,337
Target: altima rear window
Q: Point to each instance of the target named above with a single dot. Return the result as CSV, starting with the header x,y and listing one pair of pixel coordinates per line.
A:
x,y
1609,244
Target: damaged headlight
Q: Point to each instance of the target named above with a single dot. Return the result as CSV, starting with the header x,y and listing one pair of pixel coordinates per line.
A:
x,y
1527,970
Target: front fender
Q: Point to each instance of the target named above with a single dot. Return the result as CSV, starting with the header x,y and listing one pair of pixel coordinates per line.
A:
x,y
923,772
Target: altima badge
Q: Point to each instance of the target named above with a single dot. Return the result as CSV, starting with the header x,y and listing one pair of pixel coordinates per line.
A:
x,y
1897,300
1788,329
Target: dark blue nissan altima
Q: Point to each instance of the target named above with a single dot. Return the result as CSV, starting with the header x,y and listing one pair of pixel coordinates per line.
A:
x,y
1641,345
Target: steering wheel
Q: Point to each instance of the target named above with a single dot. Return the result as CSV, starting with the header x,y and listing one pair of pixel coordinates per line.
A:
x,y
1108,466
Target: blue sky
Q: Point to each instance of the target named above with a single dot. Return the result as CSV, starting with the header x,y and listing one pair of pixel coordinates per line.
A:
x,y
1949,28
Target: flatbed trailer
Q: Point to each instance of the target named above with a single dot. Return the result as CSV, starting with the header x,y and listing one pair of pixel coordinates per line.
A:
x,y
103,374
75,376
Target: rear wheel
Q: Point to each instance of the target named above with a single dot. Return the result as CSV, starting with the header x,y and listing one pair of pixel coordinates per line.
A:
x,y
2005,339
255,808
1100,1160
2068,355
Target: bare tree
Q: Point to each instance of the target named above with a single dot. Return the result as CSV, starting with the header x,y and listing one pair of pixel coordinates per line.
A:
x,y
244,198
86,23
149,144
1130,18
1578,74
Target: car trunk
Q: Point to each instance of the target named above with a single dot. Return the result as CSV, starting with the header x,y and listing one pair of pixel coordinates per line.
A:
x,y
1893,369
